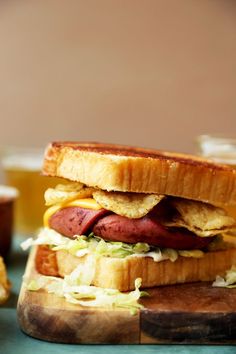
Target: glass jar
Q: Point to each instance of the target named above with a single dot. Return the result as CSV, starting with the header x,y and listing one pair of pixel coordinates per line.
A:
x,y
220,149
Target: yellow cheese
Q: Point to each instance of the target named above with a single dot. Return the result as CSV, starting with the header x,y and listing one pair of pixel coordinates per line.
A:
x,y
87,203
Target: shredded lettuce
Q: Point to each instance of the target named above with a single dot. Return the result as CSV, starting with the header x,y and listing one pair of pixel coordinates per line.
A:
x,y
82,245
35,285
86,295
45,237
95,245
27,243
83,274
229,281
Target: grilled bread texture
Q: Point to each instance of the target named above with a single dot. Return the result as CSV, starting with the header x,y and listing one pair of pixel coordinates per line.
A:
x,y
128,169
120,273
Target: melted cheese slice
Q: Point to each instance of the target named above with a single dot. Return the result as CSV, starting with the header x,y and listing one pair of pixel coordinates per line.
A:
x,y
87,203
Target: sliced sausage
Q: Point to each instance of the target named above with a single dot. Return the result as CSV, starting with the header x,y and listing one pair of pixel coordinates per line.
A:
x,y
147,229
72,221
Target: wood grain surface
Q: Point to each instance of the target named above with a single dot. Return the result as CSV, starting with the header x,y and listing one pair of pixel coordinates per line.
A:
x,y
189,313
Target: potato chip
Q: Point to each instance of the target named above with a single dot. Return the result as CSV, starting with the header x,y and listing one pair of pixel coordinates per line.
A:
x,y
131,205
4,283
202,215
221,243
198,232
64,193
69,187
201,218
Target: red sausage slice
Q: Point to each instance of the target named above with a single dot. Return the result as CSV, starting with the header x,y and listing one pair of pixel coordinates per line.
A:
x,y
147,229
72,221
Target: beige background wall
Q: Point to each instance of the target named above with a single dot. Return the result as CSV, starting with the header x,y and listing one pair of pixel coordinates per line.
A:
x,y
152,73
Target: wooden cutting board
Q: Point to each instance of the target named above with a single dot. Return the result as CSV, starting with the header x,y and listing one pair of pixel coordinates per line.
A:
x,y
189,313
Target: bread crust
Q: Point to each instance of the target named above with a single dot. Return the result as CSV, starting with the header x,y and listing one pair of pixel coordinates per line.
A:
x,y
120,273
128,169
46,261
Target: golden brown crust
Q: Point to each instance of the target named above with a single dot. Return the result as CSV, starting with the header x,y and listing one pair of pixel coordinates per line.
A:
x,y
130,151
127,169
46,261
121,273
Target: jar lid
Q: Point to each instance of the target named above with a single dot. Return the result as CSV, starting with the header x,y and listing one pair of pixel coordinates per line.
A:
x,y
8,192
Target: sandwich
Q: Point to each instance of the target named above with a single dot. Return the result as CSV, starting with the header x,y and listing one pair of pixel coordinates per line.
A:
x,y
125,213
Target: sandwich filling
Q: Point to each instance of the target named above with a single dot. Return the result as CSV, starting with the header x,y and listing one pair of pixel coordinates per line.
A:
x,y
84,223
150,220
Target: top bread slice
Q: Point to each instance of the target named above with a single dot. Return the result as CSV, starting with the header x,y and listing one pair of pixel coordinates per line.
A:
x,y
128,169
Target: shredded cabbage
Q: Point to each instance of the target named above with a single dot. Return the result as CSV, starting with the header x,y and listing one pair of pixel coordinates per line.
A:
x,y
45,237
83,274
86,295
35,285
92,244
229,281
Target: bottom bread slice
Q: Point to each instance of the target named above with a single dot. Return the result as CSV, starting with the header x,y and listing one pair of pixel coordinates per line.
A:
x,y
120,273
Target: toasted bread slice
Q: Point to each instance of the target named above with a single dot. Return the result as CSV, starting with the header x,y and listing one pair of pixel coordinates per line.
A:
x,y
120,273
46,261
128,169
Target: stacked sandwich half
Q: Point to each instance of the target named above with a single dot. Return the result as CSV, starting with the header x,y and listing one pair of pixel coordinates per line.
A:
x,y
124,213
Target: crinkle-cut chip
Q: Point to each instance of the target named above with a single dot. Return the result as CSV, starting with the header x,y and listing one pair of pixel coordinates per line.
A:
x,y
65,193
69,187
222,242
202,215
131,205
195,230
4,283
201,218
